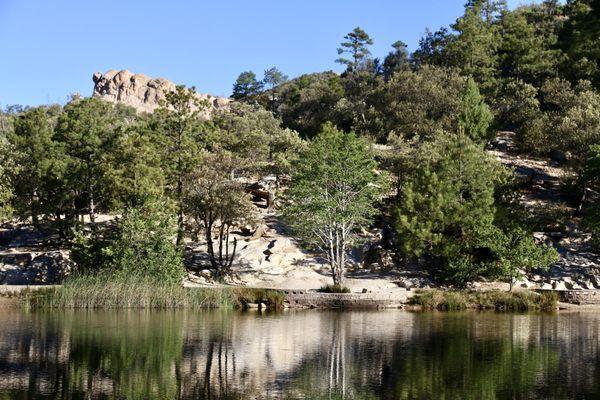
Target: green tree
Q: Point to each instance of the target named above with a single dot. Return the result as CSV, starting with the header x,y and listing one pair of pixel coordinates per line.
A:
x,y
572,115
246,86
490,9
591,179
88,131
580,40
517,103
307,102
475,117
181,134
37,158
135,175
356,47
144,245
422,102
333,193
527,51
432,48
473,49
141,247
397,60
6,188
272,79
447,213
217,203
256,138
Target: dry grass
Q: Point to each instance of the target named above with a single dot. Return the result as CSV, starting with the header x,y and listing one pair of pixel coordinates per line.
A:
x,y
488,300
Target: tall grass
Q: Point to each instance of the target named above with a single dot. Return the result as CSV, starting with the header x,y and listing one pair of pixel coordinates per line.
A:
x,y
89,291
488,300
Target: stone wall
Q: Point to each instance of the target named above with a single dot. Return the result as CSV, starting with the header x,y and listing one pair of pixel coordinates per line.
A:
x,y
305,299
581,297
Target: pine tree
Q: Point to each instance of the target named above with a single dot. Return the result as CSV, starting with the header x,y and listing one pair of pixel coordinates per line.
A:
x,y
397,60
356,46
473,49
246,87
447,214
181,132
88,131
475,118
272,79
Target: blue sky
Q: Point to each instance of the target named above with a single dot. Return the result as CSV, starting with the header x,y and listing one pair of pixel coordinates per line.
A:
x,y
51,48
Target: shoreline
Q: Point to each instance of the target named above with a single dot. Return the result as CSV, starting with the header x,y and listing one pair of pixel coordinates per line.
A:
x,y
15,296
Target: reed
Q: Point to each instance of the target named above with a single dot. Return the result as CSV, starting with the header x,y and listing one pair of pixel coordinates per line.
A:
x,y
97,292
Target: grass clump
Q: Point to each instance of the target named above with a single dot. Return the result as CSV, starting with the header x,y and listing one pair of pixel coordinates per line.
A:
x,y
101,292
334,289
498,300
271,298
118,292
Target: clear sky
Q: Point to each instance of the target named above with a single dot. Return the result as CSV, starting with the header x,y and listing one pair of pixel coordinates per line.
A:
x,y
51,48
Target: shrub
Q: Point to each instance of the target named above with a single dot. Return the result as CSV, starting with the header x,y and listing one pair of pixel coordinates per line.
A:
x,y
488,300
142,245
334,289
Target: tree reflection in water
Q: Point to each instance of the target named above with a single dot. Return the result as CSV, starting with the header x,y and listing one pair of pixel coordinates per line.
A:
x,y
227,355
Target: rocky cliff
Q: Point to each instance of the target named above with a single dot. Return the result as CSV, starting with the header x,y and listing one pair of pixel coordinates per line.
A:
x,y
140,91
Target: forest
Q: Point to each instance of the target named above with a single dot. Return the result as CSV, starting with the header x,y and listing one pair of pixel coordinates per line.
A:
x,y
397,143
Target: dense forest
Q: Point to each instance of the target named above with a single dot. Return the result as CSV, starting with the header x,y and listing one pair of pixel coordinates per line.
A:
x,y
398,141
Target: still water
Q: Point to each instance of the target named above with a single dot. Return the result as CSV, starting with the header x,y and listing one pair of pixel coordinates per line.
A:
x,y
307,354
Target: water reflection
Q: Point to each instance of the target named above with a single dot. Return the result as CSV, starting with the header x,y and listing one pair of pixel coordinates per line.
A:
x,y
227,355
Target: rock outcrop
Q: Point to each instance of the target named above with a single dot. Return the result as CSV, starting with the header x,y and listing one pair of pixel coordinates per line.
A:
x,y
142,92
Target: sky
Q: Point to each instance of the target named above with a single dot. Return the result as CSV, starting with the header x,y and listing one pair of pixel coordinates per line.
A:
x,y
51,48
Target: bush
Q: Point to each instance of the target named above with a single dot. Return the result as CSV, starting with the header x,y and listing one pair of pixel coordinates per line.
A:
x,y
334,289
489,300
145,247
142,246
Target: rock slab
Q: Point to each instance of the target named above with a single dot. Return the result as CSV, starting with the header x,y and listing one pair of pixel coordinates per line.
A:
x,y
143,92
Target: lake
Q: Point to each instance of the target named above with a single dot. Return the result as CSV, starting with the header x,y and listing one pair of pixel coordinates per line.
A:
x,y
298,354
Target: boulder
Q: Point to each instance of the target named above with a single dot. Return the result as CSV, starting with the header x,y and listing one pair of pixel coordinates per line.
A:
x,y
142,92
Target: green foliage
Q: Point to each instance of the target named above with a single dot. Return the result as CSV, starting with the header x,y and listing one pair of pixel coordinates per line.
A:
x,y
40,164
473,49
181,132
107,291
334,289
580,40
309,101
256,138
397,60
528,42
333,193
217,203
572,115
447,214
475,118
246,86
136,176
423,102
144,245
271,81
140,247
488,300
356,46
6,189
518,105
88,130
591,177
